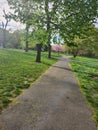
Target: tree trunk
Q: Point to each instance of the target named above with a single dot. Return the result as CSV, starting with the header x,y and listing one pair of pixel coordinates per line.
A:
x,y
4,38
27,32
58,53
49,51
26,49
38,56
74,55
4,26
48,27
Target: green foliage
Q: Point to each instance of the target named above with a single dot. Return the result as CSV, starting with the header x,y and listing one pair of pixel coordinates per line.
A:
x,y
89,43
86,44
74,16
86,69
18,70
24,12
68,16
39,36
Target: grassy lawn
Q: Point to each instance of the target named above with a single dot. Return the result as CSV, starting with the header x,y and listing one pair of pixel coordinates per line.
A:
x,y
18,70
86,69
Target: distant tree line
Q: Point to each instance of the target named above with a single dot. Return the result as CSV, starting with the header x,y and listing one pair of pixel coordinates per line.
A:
x,y
13,40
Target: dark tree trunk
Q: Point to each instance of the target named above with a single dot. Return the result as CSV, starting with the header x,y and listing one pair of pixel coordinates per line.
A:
x,y
27,33
48,27
26,49
74,55
49,51
38,57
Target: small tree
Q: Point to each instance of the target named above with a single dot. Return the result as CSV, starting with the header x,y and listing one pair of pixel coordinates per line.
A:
x,y
39,37
58,48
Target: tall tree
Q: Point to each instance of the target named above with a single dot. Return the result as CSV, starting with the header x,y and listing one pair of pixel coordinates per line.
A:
x,y
4,26
27,9
24,11
49,8
75,15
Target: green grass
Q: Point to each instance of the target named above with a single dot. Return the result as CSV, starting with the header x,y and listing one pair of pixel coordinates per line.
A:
x,y
86,69
18,70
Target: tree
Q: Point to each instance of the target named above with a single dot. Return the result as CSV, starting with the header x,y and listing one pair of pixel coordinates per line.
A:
x,y
74,16
46,20
14,40
24,13
4,26
89,45
39,37
58,48
2,37
74,46
67,17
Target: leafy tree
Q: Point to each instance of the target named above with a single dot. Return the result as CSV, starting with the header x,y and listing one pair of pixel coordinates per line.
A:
x,y
46,20
68,17
40,12
74,15
74,46
24,13
39,37
89,43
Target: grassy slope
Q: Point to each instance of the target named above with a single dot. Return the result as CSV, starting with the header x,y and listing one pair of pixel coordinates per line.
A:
x,y
86,70
18,70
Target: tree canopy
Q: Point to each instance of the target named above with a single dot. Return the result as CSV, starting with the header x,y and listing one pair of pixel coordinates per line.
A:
x,y
66,17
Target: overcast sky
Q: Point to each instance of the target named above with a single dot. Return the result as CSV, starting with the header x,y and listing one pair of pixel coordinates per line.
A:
x,y
12,25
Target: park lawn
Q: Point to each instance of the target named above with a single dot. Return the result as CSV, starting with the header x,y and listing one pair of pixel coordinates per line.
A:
x,y
86,69
18,70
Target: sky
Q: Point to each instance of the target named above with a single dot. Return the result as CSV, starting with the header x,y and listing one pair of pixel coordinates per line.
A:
x,y
12,26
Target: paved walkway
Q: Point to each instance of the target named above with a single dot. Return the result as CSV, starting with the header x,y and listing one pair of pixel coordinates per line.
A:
x,y
54,102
